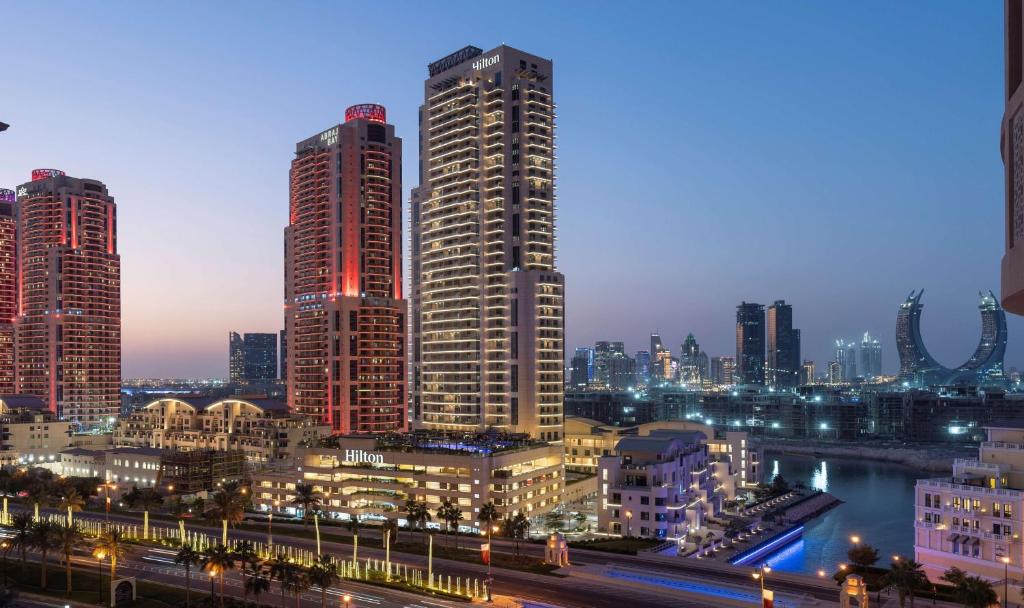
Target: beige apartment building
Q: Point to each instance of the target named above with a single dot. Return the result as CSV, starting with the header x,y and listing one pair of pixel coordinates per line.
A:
x,y
487,299
261,428
371,478
31,433
736,463
973,520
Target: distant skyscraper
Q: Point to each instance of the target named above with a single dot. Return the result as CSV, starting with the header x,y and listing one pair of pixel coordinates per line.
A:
x,y
8,289
656,344
807,372
345,319
846,356
260,357
68,332
750,343
643,366
236,358
582,367
689,361
1011,147
870,357
722,370
487,298
783,351
835,372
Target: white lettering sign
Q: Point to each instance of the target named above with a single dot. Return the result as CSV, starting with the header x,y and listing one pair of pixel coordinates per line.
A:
x,y
486,62
329,137
23,191
363,456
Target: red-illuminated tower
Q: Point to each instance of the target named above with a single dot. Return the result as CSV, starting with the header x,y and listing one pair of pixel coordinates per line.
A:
x,y
68,329
8,289
344,312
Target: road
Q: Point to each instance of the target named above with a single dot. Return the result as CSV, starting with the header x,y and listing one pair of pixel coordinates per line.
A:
x,y
566,591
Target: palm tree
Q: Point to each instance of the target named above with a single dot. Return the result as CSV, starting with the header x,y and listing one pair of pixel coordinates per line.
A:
x,y
452,515
39,495
216,561
323,574
188,557
389,531
143,500
905,576
309,500
227,505
353,527
279,570
518,528
112,544
69,537
257,584
977,593
180,510
43,536
245,552
71,501
296,581
418,515
21,524
443,513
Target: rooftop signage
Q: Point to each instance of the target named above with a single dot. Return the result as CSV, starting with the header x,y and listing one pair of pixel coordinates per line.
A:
x,y
446,63
363,456
368,111
38,174
7,195
486,62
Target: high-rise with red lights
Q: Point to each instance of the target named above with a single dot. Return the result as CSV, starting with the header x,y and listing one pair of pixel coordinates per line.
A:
x,y
344,313
8,289
68,328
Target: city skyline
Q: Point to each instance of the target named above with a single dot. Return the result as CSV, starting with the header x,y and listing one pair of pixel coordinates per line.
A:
x,y
803,156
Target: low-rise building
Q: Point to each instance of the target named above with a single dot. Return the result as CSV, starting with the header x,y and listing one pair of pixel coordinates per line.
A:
x,y
261,428
974,519
30,434
737,463
657,486
372,477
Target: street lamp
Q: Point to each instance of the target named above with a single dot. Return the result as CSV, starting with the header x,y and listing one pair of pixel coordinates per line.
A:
x,y
855,539
99,554
1006,577
6,546
759,575
346,600
629,516
490,558
270,524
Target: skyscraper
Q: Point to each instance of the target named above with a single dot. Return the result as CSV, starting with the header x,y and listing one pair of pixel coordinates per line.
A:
x,y
68,330
846,357
807,372
260,357
582,367
344,312
783,351
643,366
8,289
236,358
750,346
487,297
722,370
870,357
689,361
1011,148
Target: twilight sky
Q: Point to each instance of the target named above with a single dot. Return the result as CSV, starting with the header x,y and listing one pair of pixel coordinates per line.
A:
x,y
836,155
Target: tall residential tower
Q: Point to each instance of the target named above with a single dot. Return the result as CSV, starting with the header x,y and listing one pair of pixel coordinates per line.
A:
x,y
68,331
8,289
750,346
782,368
344,313
487,298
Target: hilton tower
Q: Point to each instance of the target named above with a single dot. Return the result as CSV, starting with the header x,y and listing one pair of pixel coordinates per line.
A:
x,y
68,330
344,313
487,298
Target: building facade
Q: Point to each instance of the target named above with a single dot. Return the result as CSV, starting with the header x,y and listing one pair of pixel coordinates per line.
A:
x,y
974,519
750,344
260,356
870,357
30,433
782,368
657,486
371,478
262,429
8,289
487,324
723,370
1011,148
345,319
236,358
581,371
68,329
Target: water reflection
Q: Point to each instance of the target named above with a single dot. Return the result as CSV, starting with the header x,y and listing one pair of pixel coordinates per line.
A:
x,y
820,479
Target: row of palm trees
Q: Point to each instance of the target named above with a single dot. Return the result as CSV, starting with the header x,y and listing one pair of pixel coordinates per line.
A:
x,y
39,488
257,576
47,536
906,577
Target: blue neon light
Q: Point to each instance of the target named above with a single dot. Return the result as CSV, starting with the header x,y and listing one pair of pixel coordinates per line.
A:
x,y
760,550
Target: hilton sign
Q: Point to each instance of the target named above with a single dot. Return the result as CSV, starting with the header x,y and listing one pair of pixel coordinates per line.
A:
x,y
363,456
486,62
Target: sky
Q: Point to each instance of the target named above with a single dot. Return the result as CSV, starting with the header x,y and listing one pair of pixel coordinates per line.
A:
x,y
835,155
